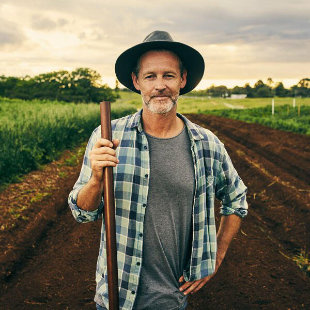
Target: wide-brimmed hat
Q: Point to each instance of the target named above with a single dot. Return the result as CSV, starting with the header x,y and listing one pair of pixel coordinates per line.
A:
x,y
191,59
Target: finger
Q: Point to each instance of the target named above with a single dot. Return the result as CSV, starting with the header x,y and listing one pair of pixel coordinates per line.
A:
x,y
184,286
99,165
181,279
103,142
98,161
191,288
202,284
104,157
103,150
115,143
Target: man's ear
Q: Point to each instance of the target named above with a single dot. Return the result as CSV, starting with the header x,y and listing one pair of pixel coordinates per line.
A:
x,y
183,79
135,81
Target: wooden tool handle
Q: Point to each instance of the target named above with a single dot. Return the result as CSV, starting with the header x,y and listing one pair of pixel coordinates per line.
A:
x,y
109,212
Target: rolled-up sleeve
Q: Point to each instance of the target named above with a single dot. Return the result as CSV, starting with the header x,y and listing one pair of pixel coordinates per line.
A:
x,y
230,189
80,215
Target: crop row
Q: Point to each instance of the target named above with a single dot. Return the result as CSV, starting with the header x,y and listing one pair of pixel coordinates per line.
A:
x,y
285,117
35,132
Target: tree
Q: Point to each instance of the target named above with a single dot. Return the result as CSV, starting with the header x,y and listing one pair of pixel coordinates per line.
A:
x,y
80,85
218,91
259,84
280,91
262,90
304,83
302,88
270,82
238,90
249,90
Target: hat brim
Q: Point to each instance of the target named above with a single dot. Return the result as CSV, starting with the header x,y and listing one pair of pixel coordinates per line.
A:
x,y
191,59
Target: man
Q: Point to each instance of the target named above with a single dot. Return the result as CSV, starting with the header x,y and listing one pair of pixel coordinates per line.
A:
x,y
167,172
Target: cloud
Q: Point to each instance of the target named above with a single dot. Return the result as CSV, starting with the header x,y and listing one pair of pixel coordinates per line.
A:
x,y
10,34
47,24
230,35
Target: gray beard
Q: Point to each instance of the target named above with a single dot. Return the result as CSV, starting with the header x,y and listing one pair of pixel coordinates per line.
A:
x,y
161,108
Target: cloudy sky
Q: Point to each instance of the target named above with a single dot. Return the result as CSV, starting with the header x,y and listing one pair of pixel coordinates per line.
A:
x,y
240,40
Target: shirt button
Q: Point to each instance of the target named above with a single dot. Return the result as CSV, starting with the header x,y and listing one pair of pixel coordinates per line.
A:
x,y
140,234
145,147
133,292
144,205
138,263
146,175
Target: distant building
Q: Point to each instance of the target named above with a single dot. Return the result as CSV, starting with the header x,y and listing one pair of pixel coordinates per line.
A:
x,y
237,96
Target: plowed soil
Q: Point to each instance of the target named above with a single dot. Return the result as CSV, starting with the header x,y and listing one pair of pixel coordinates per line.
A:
x,y
57,271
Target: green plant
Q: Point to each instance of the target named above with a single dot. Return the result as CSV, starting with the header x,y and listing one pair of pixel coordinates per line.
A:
x,y
303,261
35,132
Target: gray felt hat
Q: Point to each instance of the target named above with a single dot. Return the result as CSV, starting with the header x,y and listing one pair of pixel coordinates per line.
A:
x,y
191,59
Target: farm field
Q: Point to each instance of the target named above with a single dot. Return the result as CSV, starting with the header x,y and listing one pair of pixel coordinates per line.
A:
x,y
259,272
289,114
33,133
285,118
191,104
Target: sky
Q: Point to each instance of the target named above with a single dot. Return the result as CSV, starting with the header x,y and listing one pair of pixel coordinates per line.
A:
x,y
240,40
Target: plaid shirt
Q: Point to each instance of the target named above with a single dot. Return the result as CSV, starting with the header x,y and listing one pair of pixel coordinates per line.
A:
x,y
215,176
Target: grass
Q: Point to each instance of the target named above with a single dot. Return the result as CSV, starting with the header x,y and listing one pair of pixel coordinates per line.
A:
x,y
303,262
285,117
35,132
203,104
252,110
190,104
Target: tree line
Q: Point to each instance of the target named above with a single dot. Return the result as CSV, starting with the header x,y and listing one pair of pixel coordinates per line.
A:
x,y
260,89
84,85
79,85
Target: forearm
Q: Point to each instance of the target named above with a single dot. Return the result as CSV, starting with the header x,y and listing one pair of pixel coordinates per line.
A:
x,y
229,226
89,197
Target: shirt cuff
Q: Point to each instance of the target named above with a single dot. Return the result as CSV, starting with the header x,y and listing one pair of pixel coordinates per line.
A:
x,y
80,215
240,211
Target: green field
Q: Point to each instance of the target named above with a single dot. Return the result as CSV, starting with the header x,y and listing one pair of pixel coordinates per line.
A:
x,y
252,110
285,117
35,132
190,104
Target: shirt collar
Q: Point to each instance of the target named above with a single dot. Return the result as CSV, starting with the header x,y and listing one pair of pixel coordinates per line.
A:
x,y
135,122
193,129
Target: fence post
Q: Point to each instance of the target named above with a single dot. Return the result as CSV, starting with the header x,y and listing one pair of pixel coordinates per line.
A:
x,y
272,107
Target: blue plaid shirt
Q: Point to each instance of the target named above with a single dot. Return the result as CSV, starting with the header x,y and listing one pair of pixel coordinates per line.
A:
x,y
215,176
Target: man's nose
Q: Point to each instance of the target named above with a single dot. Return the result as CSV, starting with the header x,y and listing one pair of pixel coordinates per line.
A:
x,y
160,84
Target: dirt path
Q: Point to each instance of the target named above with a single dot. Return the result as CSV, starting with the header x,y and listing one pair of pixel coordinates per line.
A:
x,y
59,271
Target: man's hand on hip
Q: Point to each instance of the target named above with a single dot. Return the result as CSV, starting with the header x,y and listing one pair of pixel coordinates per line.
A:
x,y
192,287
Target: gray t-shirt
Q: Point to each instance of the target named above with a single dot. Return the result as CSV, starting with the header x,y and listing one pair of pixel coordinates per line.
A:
x,y
167,223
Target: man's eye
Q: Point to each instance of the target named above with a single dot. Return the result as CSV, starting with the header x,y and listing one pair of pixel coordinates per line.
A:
x,y
149,77
170,76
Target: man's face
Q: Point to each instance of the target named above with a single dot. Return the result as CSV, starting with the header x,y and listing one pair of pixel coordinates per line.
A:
x,y
159,81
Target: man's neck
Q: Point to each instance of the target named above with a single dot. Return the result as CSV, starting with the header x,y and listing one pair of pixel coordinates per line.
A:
x,y
162,125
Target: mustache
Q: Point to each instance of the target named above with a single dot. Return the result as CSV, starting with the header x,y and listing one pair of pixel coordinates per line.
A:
x,y
161,95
